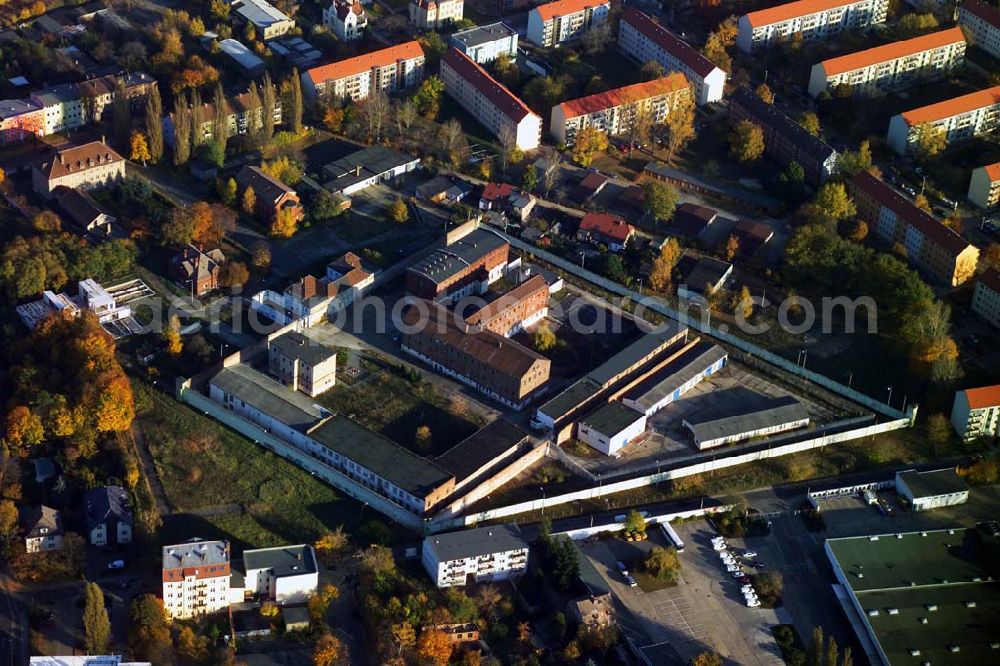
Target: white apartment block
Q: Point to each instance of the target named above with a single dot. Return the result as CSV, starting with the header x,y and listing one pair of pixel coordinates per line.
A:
x,y
434,14
643,39
814,20
960,118
984,186
285,575
614,111
976,412
982,23
387,70
891,66
986,296
561,21
195,578
488,101
485,553
346,19
486,43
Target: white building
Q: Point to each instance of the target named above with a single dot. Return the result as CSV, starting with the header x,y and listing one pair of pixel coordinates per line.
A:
x,y
90,296
485,553
976,412
697,361
89,166
388,70
891,66
982,23
497,108
302,364
63,107
42,528
486,43
346,19
611,428
268,20
196,578
285,575
933,489
986,296
643,39
959,119
85,660
555,23
769,417
812,19
435,14
614,111
108,516
984,186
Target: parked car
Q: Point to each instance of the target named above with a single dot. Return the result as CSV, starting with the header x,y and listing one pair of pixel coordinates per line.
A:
x,y
116,564
622,568
749,553
631,581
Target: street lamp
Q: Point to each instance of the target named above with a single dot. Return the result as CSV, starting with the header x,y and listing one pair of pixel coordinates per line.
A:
x,y
889,399
542,488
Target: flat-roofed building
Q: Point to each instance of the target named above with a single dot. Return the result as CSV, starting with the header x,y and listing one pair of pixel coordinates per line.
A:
x,y
489,102
984,186
785,140
195,578
512,312
284,575
485,453
435,14
267,20
555,23
813,20
301,363
932,489
20,119
643,39
891,66
932,247
489,553
986,296
485,43
976,412
672,381
957,119
615,111
388,70
929,597
766,417
611,427
467,265
366,167
982,24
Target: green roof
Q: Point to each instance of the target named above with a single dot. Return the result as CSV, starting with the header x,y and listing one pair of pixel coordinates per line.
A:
x,y
933,483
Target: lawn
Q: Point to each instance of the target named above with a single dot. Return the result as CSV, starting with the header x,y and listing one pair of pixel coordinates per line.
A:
x,y
202,464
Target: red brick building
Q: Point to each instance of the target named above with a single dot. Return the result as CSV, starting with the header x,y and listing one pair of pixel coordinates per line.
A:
x,y
514,311
197,271
466,266
272,195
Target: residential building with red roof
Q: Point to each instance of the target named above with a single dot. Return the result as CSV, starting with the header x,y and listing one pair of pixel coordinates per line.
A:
x,y
434,14
643,39
813,20
931,247
615,111
387,70
88,166
606,229
558,22
982,24
512,312
976,412
891,66
984,186
959,119
986,296
346,19
272,195
489,102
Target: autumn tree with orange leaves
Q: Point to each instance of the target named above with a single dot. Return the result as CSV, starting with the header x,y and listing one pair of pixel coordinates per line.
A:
x,y
434,646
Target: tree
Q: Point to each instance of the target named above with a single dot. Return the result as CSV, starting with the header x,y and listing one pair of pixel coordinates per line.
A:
x,y
149,633
543,338
679,126
331,542
931,140
423,438
990,256
320,602
732,247
24,428
96,626
399,212
529,180
860,232
707,659
228,192
234,274
283,169
660,275
596,39
659,199
922,202
719,42
747,141
285,223
652,70
248,203
182,131
831,205
434,646
912,24
172,336
121,119
261,255
154,124
328,651
743,303
662,563
47,222
851,163
191,648
140,148
763,92
428,97
452,142
333,119
508,144
375,113
638,132
326,206
8,519
295,103
403,636
268,99
587,142
634,522
810,122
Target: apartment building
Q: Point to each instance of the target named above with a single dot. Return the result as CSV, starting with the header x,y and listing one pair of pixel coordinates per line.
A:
x,y
346,19
284,575
387,70
558,22
302,364
785,140
272,195
984,186
931,247
615,111
976,412
468,264
267,20
521,307
435,14
196,578
242,116
42,528
986,296
959,119
813,20
498,109
20,119
485,43
891,66
982,24
88,166
71,105
643,39
492,364
485,553
107,516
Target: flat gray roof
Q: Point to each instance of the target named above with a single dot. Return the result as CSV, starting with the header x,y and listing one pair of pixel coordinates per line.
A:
x,y
290,407
481,448
483,34
570,398
675,374
295,345
449,260
777,411
611,418
933,483
636,353
195,553
362,165
476,542
282,561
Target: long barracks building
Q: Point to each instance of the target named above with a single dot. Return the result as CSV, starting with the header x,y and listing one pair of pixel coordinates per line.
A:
x,y
814,20
387,70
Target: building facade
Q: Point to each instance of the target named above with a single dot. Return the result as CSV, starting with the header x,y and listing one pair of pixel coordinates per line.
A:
x,y
20,119
932,489
302,364
272,196
467,265
984,186
643,39
930,246
521,307
242,117
492,104
388,70
982,24
813,20
986,296
892,66
615,111
485,553
957,119
346,19
42,528
611,428
196,578
485,43
558,22
284,575
108,516
976,412
88,166
435,14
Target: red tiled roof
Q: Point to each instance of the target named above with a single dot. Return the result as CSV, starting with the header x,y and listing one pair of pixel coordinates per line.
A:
x,y
80,158
993,172
893,51
668,41
365,62
984,396
982,11
620,96
953,107
565,7
494,191
793,10
508,103
608,225
521,292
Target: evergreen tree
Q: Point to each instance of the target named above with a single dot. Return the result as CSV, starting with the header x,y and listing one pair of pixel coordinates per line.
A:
x,y
182,131
96,626
121,115
295,102
154,124
220,121
255,131
197,119
268,100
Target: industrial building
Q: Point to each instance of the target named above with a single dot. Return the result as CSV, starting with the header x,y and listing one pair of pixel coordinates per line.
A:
x,y
611,427
700,361
767,417
932,489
